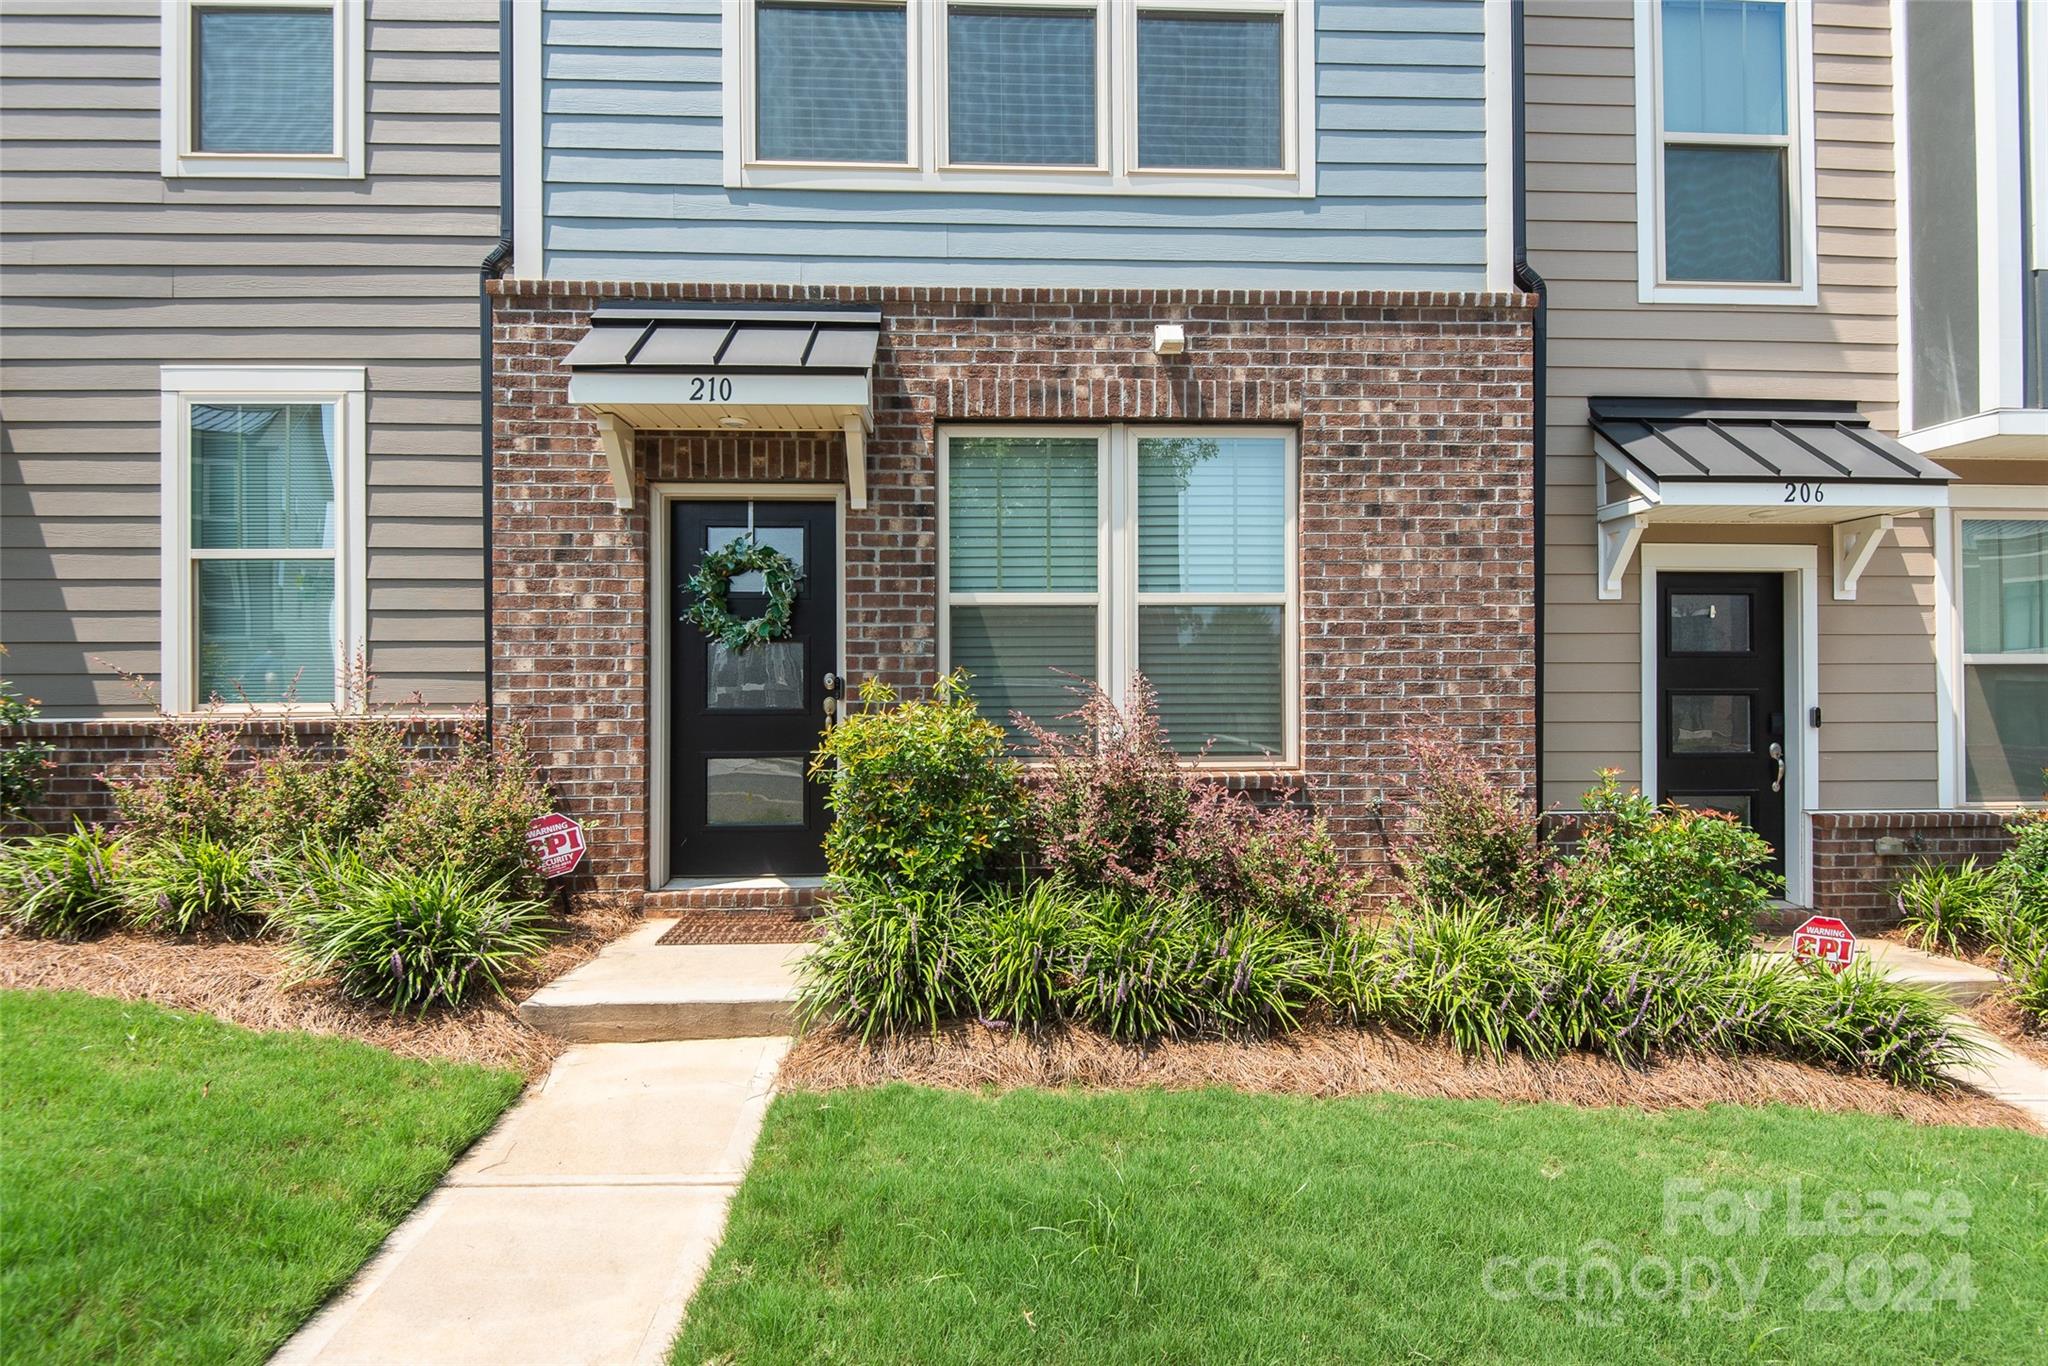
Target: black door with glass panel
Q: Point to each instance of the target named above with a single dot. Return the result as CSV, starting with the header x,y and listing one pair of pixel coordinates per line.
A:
x,y
1721,733
744,725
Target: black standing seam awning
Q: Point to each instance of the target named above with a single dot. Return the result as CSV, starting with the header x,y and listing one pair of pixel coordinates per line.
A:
x,y
1755,463
1685,439
726,366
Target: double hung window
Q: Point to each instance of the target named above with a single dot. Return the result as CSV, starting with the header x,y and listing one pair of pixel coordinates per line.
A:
x,y
2004,618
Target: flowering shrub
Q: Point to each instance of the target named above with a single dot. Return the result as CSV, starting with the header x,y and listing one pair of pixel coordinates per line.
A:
x,y
289,796
1467,839
1113,807
60,886
1642,864
191,787
923,793
469,811
24,764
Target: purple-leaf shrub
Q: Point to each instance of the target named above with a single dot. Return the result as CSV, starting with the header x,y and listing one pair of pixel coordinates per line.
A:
x,y
1467,839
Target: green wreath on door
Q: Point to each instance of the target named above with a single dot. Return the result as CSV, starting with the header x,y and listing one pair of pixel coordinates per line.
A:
x,y
711,585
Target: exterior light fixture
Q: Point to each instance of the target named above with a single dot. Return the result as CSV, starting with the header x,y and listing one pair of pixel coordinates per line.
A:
x,y
732,421
1168,339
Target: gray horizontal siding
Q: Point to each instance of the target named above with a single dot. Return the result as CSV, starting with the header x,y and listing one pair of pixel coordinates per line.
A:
x,y
110,271
633,172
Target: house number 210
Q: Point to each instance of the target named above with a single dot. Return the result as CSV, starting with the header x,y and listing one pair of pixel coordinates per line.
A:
x,y
712,389
1805,493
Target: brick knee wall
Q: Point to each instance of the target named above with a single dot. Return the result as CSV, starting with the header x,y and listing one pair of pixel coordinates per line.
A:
x,y
1853,880
1416,531
85,751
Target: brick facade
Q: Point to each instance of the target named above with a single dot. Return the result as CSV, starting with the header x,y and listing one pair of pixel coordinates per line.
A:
x,y
85,750
1416,529
1855,880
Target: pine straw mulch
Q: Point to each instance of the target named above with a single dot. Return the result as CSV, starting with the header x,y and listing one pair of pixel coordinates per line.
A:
x,y
2002,1018
247,982
1332,1061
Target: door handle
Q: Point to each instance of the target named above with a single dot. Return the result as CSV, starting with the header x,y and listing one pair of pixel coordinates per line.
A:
x,y
831,682
1778,757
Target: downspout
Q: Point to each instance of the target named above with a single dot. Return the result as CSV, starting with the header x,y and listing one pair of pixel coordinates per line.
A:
x,y
492,268
1527,279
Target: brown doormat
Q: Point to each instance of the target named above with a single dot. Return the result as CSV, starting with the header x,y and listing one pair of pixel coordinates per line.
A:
x,y
742,927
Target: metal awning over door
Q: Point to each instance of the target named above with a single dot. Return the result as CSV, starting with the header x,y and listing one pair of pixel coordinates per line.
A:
x,y
726,367
1737,463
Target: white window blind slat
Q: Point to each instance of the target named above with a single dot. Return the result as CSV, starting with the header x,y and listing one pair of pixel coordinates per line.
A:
x,y
1020,87
264,80
1021,514
833,83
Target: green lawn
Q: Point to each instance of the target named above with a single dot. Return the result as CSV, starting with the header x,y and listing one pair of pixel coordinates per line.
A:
x,y
903,1225
176,1189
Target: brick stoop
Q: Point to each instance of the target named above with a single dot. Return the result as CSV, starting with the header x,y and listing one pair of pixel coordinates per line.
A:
x,y
742,927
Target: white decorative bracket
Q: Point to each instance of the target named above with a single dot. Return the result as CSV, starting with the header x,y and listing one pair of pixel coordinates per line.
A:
x,y
1855,543
856,462
615,434
1619,537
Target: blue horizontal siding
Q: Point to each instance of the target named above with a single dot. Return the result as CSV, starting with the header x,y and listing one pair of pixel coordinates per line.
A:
x,y
633,175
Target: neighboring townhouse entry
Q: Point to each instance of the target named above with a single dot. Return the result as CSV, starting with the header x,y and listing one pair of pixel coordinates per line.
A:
x,y
743,725
1721,729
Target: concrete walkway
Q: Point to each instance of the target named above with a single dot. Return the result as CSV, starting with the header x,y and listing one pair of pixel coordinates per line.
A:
x,y
2017,1080
575,1232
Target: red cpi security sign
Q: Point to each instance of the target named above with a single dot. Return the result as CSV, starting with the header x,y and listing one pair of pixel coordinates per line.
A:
x,y
557,842
1827,939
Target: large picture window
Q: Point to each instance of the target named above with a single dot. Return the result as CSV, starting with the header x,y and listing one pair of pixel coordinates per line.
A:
x,y
1115,96
2003,587
262,535
1091,555
1724,124
269,88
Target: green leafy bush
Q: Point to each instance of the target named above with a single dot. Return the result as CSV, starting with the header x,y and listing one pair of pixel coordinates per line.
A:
x,y
923,792
1951,908
290,795
1641,864
24,764
60,886
190,787
190,883
889,961
410,938
1143,970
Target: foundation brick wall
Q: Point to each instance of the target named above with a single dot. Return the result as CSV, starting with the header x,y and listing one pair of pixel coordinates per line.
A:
x,y
85,750
1416,528
1853,881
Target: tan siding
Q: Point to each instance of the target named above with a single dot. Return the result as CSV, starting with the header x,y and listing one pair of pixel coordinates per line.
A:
x,y
112,271
1876,654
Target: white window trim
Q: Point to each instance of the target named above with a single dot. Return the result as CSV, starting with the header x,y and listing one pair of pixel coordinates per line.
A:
x,y
183,385
1802,232
1116,597
1800,564
1116,114
180,155
1987,502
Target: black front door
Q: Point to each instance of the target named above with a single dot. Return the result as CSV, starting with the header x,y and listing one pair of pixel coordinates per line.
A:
x,y
1721,734
744,725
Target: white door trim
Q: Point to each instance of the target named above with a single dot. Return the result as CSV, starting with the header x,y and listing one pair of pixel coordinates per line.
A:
x,y
660,498
1801,566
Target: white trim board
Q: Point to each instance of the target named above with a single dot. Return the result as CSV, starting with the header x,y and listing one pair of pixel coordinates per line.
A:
x,y
1801,566
1989,502
180,157
178,387
660,633
529,219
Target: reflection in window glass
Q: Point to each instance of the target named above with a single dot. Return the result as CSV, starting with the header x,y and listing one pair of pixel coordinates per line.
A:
x,y
767,790
1212,514
1709,623
833,83
1710,723
768,676
1724,66
789,540
1220,672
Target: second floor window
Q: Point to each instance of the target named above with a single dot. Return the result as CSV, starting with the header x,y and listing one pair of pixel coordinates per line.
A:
x,y
262,88
1195,96
1724,156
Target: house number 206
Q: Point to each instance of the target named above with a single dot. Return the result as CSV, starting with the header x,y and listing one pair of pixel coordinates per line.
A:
x,y
711,389
1805,493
